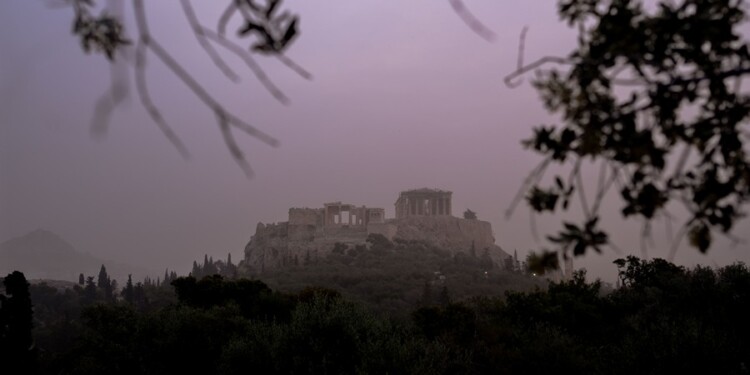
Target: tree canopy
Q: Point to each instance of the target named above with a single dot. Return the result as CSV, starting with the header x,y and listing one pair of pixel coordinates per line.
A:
x,y
652,95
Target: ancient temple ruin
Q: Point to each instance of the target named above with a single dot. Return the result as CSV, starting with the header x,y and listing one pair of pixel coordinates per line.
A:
x,y
422,215
423,202
336,215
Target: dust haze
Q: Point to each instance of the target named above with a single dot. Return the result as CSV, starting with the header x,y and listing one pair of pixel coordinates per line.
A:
x,y
404,96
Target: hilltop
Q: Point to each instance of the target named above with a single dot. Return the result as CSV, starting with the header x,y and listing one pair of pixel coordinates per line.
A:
x,y
423,215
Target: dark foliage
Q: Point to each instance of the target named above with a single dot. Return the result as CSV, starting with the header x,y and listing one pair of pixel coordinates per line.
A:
x,y
664,319
653,94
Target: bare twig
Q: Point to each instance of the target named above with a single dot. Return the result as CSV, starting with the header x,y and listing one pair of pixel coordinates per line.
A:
x,y
293,66
148,104
603,189
224,117
536,64
581,193
676,244
681,161
234,149
118,90
221,28
250,62
470,20
111,99
210,51
734,240
533,177
616,248
521,53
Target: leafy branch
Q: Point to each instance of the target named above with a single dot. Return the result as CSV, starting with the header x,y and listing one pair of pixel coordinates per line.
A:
x,y
623,96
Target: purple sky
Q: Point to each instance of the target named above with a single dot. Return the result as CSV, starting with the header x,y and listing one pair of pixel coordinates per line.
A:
x,y
404,96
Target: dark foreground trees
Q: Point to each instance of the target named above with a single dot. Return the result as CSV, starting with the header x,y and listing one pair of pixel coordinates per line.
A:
x,y
664,319
16,343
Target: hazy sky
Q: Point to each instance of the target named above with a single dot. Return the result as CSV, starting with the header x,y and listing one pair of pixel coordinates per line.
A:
x,y
404,96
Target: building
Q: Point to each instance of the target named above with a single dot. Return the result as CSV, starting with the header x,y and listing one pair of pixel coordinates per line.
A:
x,y
423,202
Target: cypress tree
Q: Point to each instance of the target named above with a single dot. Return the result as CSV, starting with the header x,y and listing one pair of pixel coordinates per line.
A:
x,y
102,281
16,323
127,292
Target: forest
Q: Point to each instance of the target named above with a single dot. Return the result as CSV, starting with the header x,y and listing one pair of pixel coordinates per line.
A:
x,y
662,318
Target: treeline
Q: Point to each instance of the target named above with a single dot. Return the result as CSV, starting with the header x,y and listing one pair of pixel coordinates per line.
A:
x,y
210,267
664,319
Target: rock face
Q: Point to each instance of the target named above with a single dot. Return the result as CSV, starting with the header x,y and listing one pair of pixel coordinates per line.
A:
x,y
277,245
452,234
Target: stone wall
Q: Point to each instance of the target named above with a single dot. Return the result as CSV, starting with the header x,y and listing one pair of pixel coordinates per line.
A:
x,y
276,245
306,216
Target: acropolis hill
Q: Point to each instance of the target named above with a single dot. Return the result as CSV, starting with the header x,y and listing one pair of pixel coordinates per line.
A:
x,y
421,215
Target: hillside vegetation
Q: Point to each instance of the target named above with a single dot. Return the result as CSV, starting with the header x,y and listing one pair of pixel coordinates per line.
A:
x,y
396,277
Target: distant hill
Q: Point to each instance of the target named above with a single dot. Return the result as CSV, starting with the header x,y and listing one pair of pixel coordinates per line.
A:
x,y
42,254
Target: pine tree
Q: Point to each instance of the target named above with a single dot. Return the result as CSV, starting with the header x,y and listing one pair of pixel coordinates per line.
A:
x,y
103,279
108,289
139,295
127,293
112,289
196,271
81,280
89,292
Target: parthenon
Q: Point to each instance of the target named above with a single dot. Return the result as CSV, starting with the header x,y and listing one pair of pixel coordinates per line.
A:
x,y
423,202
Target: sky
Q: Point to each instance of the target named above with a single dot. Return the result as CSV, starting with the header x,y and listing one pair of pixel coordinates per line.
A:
x,y
404,96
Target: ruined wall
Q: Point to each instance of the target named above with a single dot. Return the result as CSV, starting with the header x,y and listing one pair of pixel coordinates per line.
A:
x,y
306,216
277,245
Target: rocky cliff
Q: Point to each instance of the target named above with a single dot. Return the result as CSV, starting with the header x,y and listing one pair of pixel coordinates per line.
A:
x,y
276,245
451,233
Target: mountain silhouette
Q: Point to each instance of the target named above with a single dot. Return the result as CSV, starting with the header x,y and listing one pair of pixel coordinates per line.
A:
x,y
42,254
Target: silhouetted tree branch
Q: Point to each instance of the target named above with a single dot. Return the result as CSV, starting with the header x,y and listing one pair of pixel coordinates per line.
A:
x,y
272,33
624,96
